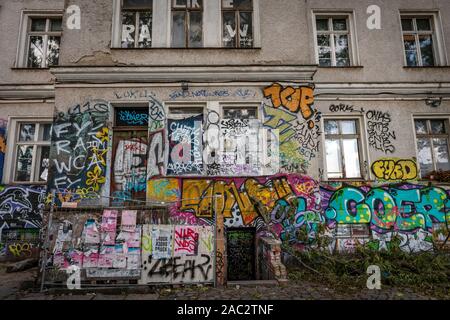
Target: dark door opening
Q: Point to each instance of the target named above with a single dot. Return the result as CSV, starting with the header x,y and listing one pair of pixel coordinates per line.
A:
x,y
241,254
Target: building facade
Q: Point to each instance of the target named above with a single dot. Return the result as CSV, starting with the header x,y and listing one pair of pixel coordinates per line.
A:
x,y
242,124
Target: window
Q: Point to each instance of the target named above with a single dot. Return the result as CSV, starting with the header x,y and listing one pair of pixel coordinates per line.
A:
x,y
43,42
184,112
31,152
237,22
342,149
418,41
352,231
333,40
240,112
187,23
137,23
432,145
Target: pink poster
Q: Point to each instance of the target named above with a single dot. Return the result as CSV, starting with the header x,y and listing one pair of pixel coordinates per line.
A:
x,y
106,257
109,220
129,220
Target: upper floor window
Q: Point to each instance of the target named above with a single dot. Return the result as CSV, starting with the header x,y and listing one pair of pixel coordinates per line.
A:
x,y
137,23
43,42
418,40
187,23
333,40
342,145
237,22
432,145
31,152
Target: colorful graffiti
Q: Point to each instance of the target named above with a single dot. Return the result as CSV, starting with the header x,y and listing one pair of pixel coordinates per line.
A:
x,y
130,166
394,169
380,133
298,135
409,211
3,125
21,207
185,146
206,93
80,140
177,254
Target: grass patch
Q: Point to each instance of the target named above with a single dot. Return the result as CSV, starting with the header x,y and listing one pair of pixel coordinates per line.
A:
x,y
426,272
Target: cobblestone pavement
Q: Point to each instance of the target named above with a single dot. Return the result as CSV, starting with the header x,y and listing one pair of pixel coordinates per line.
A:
x,y
290,291
12,288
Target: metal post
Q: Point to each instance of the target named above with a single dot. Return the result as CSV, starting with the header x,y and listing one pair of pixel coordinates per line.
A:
x,y
46,241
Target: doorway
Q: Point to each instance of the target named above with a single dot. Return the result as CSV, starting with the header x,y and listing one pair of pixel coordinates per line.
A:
x,y
241,254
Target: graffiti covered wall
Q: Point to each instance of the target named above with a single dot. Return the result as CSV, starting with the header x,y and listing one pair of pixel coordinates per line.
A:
x,y
78,155
21,209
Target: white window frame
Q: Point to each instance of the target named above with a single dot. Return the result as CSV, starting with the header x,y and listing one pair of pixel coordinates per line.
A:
x,y
444,117
238,19
25,25
162,24
352,37
439,52
11,152
362,146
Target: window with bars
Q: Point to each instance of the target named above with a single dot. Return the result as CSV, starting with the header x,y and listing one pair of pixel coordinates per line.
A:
x,y
432,145
237,23
418,41
333,41
32,150
342,145
187,23
43,42
137,23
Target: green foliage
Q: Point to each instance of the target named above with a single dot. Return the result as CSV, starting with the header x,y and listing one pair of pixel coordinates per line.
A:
x,y
427,272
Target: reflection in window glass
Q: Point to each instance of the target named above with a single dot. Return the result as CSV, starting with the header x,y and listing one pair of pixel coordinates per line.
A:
x,y
322,24
342,54
420,126
432,145
339,24
351,158
418,41
348,126
195,30
38,24
331,127
178,29
333,159
323,42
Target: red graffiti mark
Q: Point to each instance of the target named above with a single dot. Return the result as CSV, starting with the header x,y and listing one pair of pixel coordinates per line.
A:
x,y
186,240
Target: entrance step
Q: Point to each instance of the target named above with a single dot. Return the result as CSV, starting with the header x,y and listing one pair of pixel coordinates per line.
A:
x,y
253,283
